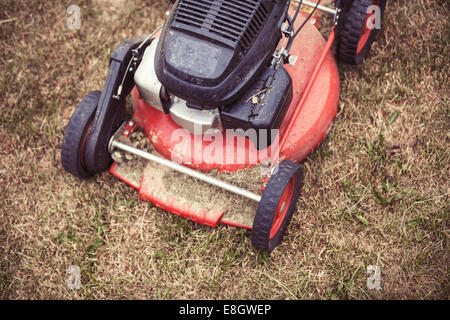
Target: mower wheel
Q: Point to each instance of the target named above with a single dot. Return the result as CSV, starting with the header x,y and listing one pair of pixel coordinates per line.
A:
x,y
72,149
360,29
277,205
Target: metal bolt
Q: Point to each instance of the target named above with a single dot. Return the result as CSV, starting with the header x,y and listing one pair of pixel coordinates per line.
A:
x,y
292,60
126,132
131,123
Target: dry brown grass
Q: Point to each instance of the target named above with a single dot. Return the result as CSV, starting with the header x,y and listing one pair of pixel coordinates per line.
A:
x,y
376,191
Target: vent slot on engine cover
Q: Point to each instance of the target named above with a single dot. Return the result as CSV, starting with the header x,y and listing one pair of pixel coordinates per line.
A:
x,y
231,22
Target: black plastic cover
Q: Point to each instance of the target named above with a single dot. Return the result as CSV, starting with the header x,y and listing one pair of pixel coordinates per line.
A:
x,y
210,51
264,106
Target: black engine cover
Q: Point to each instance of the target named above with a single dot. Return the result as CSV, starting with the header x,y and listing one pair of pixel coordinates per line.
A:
x,y
210,51
263,106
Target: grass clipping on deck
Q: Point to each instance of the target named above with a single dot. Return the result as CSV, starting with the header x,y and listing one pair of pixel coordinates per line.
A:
x,y
238,210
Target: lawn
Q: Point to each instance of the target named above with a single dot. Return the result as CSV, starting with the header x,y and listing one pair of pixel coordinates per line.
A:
x,y
376,191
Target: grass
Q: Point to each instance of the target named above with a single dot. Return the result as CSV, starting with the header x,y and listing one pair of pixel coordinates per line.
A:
x,y
376,191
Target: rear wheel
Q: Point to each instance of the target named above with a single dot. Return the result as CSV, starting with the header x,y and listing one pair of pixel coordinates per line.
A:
x,y
72,149
278,204
361,26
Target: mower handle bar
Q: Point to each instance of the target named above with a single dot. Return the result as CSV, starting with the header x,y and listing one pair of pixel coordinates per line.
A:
x,y
182,169
319,7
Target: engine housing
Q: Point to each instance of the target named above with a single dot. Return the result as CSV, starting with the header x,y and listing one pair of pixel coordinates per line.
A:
x,y
211,51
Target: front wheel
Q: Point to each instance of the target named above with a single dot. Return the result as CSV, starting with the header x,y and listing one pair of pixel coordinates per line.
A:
x,y
73,145
361,26
278,204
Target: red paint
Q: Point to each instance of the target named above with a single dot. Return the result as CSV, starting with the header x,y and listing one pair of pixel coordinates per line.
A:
x,y
237,225
282,208
366,31
290,129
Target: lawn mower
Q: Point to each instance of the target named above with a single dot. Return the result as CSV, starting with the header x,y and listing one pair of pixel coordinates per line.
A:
x,y
228,94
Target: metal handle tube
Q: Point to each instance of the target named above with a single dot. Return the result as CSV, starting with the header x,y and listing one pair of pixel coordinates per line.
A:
x,y
319,7
190,172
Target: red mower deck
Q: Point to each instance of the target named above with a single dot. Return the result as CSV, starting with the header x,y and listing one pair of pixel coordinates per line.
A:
x,y
310,128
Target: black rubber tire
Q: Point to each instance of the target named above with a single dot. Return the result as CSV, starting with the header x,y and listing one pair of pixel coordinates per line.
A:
x,y
351,32
74,137
268,205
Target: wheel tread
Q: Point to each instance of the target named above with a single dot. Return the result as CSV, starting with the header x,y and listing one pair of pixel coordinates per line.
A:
x,y
269,202
74,134
352,31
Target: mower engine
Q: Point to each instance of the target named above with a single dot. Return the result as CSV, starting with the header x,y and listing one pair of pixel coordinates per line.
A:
x,y
215,67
